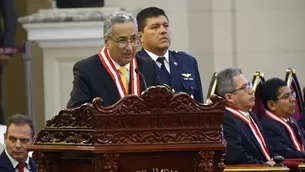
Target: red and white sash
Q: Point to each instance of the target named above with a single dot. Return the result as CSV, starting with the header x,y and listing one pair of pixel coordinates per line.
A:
x,y
297,145
116,77
255,130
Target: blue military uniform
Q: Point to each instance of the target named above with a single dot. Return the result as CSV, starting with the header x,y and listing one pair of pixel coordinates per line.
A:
x,y
184,74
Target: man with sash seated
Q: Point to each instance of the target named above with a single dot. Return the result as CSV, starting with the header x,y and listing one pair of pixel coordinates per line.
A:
x,y
242,131
115,71
284,135
177,69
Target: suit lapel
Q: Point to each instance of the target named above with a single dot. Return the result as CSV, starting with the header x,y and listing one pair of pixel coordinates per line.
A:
x,y
174,69
252,135
5,163
109,85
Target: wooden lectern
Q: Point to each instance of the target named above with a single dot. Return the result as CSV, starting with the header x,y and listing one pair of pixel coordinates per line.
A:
x,y
157,132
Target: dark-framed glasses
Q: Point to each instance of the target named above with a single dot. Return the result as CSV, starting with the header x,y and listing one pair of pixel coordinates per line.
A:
x,y
123,42
244,87
287,96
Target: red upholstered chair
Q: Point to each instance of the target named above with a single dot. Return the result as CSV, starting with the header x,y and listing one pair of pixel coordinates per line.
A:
x,y
212,88
257,81
293,83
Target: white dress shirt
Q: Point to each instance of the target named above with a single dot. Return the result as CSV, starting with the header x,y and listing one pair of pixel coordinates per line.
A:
x,y
14,162
155,57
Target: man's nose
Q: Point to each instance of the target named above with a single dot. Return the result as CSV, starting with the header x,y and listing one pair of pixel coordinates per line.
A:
x,y
18,143
163,29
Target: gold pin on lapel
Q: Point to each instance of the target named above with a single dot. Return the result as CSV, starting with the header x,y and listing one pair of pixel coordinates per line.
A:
x,y
186,75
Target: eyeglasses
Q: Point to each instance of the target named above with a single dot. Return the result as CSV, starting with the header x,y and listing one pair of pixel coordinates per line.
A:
x,y
244,87
123,42
287,96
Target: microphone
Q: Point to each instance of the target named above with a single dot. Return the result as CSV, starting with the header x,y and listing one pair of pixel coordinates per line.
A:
x,y
142,76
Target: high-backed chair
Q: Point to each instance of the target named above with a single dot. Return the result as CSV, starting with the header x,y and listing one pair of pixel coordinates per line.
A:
x,y
257,81
212,88
292,82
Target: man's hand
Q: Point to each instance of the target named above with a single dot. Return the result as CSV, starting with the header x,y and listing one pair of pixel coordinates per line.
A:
x,y
270,163
4,58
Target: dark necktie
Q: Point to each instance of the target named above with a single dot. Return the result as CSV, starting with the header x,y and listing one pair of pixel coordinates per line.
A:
x,y
295,129
163,72
20,166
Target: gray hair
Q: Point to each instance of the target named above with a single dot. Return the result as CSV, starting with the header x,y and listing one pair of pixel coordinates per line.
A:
x,y
225,82
19,119
118,17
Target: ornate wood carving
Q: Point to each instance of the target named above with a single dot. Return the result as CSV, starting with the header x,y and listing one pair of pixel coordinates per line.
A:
x,y
150,137
64,137
80,117
206,161
159,125
110,162
43,165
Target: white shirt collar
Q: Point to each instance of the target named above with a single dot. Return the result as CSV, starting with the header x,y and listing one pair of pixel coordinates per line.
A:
x,y
117,66
15,162
246,114
155,57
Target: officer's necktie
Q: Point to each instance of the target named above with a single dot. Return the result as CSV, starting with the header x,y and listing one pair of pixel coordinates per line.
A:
x,y
123,71
163,72
20,166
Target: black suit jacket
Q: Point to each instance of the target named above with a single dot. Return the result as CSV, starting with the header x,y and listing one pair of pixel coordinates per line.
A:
x,y
278,138
242,146
9,18
6,165
92,80
182,63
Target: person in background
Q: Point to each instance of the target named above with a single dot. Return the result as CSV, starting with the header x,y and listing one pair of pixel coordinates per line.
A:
x,y
7,36
285,136
19,134
178,70
241,128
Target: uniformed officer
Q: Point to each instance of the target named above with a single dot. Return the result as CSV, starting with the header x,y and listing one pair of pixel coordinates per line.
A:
x,y
178,70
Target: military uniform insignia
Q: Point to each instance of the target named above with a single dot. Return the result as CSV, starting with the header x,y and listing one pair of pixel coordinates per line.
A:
x,y
186,75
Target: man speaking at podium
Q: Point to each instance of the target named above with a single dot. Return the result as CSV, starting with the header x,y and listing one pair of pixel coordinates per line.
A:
x,y
115,71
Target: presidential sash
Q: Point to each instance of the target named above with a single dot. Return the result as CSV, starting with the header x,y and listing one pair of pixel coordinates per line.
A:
x,y
298,146
255,130
116,77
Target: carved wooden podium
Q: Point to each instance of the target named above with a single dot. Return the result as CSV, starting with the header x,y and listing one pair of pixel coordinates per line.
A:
x,y
157,132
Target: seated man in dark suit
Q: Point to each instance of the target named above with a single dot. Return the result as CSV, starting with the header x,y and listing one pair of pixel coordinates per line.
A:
x,y
284,135
19,134
244,136
114,72
178,70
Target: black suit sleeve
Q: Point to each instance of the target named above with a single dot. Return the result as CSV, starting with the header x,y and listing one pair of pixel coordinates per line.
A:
x,y
80,93
8,13
236,153
277,144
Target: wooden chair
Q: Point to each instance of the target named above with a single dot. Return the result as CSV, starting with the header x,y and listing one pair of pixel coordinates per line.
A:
x,y
257,81
292,82
212,88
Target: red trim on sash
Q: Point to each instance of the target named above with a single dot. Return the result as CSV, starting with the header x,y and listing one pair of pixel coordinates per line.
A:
x,y
116,77
255,130
298,146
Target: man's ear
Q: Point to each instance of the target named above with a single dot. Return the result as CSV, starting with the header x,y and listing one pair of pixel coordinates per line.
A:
x,y
228,97
106,41
271,105
140,36
4,135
